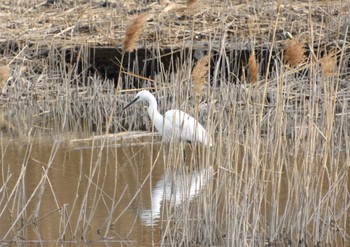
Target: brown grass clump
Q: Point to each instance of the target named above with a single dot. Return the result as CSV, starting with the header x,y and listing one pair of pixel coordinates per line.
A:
x,y
253,68
191,2
4,75
294,52
133,31
199,74
328,64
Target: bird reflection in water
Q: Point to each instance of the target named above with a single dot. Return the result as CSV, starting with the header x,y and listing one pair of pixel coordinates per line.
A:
x,y
176,188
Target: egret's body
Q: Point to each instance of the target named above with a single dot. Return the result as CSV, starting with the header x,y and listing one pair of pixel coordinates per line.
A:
x,y
175,125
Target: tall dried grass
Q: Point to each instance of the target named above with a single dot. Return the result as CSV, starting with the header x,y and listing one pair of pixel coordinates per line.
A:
x,y
281,165
280,177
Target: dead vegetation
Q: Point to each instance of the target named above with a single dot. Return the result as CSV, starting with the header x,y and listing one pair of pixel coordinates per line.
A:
x,y
253,68
199,74
133,31
294,52
66,24
278,173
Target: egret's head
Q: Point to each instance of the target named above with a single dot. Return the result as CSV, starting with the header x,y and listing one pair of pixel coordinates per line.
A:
x,y
143,95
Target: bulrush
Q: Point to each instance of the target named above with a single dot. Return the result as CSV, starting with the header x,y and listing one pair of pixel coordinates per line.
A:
x,y
4,75
328,64
133,31
253,68
294,52
199,74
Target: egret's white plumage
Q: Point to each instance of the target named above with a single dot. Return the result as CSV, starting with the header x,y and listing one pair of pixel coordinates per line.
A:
x,y
175,124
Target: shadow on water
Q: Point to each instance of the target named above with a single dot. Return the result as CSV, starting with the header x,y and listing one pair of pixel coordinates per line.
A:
x,y
175,188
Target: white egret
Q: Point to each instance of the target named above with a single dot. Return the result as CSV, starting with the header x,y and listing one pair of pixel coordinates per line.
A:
x,y
175,125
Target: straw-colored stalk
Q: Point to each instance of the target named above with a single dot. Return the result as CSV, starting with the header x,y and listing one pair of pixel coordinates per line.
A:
x,y
251,26
182,9
328,63
132,34
253,68
294,52
133,31
4,75
199,74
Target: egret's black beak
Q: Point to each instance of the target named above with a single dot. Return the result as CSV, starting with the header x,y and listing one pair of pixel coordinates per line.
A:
x,y
132,102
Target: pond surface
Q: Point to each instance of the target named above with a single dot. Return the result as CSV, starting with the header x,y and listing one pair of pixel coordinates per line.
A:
x,y
131,189
68,190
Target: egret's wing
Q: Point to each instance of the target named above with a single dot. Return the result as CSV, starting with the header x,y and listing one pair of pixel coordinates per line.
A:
x,y
179,119
183,126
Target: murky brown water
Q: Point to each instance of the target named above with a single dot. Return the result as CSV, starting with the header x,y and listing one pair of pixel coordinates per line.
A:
x,y
115,200
65,190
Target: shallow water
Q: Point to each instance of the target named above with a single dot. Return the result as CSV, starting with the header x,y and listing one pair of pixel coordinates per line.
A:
x,y
62,190
68,189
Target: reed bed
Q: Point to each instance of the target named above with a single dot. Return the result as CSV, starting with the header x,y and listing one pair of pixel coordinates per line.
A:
x,y
277,174
72,22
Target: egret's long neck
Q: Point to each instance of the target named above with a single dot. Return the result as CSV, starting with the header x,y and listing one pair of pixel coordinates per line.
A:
x,y
154,114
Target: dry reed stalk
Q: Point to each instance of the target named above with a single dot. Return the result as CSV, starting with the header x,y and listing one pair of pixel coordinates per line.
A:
x,y
278,6
4,75
253,68
294,52
182,9
133,31
251,26
328,64
199,74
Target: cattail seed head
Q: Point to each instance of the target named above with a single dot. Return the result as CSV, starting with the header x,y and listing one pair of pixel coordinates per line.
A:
x,y
133,31
199,74
294,52
328,64
4,75
253,68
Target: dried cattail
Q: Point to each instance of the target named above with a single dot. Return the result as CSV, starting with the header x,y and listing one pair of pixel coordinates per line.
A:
x,y
199,74
278,7
294,52
4,75
191,2
251,26
253,68
133,31
328,64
